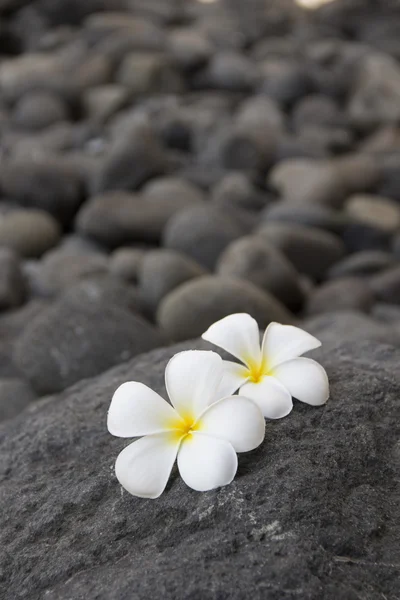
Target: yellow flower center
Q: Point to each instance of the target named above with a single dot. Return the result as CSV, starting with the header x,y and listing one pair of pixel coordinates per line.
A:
x,y
183,427
257,370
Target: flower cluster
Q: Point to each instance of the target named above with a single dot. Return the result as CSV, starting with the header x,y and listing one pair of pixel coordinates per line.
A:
x,y
205,425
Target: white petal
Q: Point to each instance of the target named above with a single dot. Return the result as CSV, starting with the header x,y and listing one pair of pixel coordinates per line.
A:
x,y
234,376
136,410
237,420
206,462
284,342
305,379
239,335
192,379
271,396
143,468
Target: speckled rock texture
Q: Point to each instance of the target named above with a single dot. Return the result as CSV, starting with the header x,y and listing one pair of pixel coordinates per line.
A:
x,y
312,514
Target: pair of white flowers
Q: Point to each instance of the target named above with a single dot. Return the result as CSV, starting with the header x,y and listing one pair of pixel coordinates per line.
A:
x,y
205,425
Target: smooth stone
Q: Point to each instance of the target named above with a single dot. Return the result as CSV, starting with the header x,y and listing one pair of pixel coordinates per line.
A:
x,y
362,264
50,185
72,340
350,293
228,71
312,251
283,80
317,110
139,147
375,100
61,460
386,285
321,217
15,396
188,48
118,218
58,271
191,308
252,259
103,101
148,73
202,233
160,272
376,211
30,233
13,289
125,263
38,110
387,313
305,181
236,190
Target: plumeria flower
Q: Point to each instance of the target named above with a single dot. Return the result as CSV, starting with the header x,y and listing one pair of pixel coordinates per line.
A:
x,y
275,371
201,430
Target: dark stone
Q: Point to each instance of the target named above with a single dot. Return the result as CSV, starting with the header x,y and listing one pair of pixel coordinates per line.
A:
x,y
360,264
15,395
192,307
317,110
125,263
189,48
38,110
236,190
228,71
252,259
283,80
135,159
12,282
29,232
160,272
386,285
148,73
202,233
72,340
117,218
315,507
48,184
103,101
312,251
321,217
348,293
376,95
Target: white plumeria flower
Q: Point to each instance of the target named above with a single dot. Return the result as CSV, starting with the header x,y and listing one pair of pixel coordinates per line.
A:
x,y
274,371
201,430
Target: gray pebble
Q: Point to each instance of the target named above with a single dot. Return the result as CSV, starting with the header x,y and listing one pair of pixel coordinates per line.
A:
x,y
13,289
29,232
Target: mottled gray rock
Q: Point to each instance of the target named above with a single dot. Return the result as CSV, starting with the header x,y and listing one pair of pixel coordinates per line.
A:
x,y
362,264
15,395
283,80
12,282
29,232
347,293
317,110
312,251
160,272
253,259
229,71
103,101
315,508
202,232
72,340
189,48
192,307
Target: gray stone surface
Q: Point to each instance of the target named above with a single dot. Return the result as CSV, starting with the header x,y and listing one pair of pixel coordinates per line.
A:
x,y
313,513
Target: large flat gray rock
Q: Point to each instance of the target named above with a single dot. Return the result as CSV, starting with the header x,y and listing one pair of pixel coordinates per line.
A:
x,y
313,513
